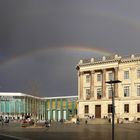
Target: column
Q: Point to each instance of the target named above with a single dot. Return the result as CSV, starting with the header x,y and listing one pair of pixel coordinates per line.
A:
x,y
56,116
32,112
24,105
9,107
92,84
27,107
51,109
116,78
67,109
4,107
37,109
104,83
40,111
61,108
14,107
29,102
73,107
81,84
46,109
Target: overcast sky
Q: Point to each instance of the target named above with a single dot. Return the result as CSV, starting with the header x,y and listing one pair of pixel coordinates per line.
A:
x,y
41,41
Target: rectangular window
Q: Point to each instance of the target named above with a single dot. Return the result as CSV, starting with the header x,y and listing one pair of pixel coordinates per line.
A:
x,y
99,77
138,90
138,119
138,73
126,108
99,93
138,107
109,92
87,93
87,78
110,108
126,74
110,76
126,91
86,109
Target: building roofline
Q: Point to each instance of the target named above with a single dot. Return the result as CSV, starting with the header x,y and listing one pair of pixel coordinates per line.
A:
x,y
60,97
17,94
109,59
27,95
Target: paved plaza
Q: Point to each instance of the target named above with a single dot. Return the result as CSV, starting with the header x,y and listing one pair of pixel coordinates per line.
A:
x,y
71,132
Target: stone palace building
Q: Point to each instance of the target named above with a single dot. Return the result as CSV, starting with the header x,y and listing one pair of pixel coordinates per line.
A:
x,y
95,95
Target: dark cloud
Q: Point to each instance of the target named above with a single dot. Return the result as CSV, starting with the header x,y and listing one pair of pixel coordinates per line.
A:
x,y
50,72
33,25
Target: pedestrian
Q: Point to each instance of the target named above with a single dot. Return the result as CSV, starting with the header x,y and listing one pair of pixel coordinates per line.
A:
x,y
77,121
6,121
86,121
1,120
47,124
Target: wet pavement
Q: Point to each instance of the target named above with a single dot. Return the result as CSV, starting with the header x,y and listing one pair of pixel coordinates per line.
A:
x,y
73,132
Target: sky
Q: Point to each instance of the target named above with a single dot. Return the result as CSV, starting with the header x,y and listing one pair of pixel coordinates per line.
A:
x,y
41,41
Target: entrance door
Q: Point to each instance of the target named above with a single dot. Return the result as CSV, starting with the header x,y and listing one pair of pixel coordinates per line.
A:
x,y
97,111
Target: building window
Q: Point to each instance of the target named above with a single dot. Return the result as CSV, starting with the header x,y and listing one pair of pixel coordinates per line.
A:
x,y
138,107
126,108
110,108
109,92
99,77
126,91
126,74
99,93
138,90
87,93
87,78
138,119
110,76
138,73
86,109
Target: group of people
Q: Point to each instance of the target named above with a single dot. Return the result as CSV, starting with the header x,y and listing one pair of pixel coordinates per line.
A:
x,y
48,122
4,121
91,117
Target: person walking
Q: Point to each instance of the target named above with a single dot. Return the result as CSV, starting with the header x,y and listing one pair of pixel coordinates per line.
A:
x,y
86,121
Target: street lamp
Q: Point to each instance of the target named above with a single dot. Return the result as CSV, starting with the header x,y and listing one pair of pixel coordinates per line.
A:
x,y
111,82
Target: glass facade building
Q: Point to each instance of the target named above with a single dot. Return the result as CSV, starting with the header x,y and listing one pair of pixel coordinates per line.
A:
x,y
19,106
61,107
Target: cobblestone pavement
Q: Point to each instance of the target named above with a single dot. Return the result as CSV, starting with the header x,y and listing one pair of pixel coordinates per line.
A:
x,y
72,132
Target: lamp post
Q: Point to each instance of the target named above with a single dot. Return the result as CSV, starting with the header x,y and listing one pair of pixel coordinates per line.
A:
x,y
111,82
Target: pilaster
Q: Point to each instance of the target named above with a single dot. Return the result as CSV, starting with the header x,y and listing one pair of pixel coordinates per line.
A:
x,y
116,78
104,83
81,85
92,84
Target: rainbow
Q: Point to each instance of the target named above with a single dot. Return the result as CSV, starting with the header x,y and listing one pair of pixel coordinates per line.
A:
x,y
89,49
17,58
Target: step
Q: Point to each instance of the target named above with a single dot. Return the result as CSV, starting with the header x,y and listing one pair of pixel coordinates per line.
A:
x,y
97,121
